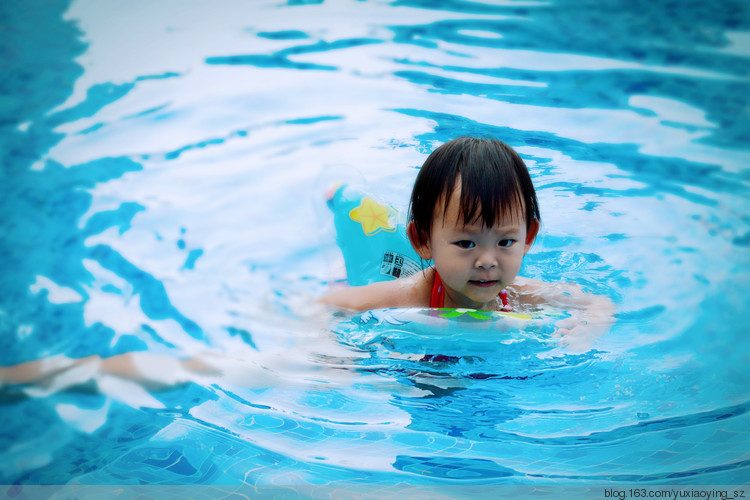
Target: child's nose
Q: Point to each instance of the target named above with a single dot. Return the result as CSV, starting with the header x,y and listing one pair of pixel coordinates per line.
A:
x,y
486,260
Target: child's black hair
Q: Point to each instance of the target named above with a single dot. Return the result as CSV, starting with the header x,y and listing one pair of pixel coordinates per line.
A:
x,y
494,180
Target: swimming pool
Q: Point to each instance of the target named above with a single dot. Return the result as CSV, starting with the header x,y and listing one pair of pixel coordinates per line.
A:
x,y
162,180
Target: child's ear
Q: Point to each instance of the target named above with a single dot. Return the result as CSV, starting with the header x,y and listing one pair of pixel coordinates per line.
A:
x,y
418,241
531,234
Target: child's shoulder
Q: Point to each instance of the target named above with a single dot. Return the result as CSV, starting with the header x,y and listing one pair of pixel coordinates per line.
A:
x,y
412,291
535,292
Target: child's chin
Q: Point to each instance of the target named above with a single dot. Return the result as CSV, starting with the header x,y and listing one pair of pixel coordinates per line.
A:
x,y
484,293
483,303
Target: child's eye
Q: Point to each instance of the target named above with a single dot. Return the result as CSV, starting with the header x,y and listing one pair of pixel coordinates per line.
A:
x,y
506,243
465,244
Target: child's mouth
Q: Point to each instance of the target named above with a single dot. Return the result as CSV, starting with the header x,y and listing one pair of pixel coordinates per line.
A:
x,y
484,283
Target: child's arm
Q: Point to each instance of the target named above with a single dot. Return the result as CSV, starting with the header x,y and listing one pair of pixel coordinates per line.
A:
x,y
591,316
141,367
413,291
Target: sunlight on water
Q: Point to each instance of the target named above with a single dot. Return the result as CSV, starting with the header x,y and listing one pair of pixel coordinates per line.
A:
x,y
165,235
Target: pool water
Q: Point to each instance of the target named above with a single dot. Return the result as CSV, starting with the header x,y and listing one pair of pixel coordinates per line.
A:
x,y
161,191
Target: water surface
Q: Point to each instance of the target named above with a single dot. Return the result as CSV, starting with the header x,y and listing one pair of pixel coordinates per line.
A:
x,y
162,194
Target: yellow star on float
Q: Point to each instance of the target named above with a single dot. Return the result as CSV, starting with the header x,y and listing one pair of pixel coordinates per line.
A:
x,y
373,216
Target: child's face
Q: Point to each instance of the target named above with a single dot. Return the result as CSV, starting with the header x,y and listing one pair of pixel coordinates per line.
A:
x,y
476,262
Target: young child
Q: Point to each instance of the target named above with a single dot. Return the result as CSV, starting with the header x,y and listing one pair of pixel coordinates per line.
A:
x,y
474,213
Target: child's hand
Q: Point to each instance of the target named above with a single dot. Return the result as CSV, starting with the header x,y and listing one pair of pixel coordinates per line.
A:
x,y
591,318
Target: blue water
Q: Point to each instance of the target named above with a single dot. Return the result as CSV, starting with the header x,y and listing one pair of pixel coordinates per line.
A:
x,y
161,192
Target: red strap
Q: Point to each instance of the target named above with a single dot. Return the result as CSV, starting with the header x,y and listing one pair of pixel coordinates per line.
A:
x,y
504,298
437,296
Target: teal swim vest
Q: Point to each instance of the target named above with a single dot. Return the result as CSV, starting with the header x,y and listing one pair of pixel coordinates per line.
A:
x,y
372,237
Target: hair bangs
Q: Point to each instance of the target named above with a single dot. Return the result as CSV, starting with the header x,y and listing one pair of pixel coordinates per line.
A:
x,y
487,200
489,188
